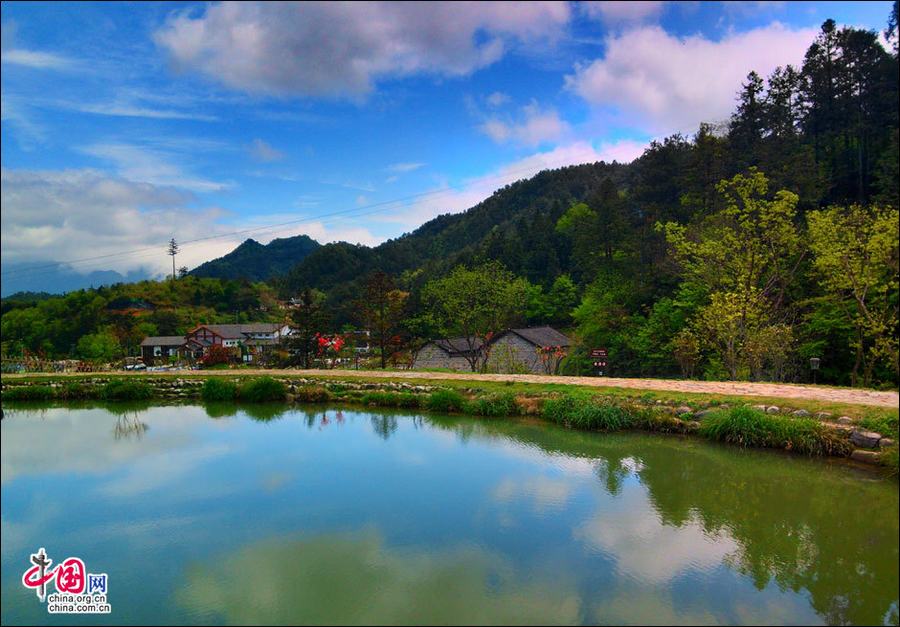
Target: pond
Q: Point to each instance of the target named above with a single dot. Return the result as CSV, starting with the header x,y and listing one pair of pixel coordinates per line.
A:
x,y
228,514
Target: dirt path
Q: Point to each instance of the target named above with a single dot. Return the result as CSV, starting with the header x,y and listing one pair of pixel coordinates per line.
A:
x,y
772,390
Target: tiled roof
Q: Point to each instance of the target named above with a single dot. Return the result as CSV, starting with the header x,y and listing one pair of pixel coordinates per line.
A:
x,y
543,336
163,340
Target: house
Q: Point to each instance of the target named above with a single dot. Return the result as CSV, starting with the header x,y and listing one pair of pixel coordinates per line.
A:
x,y
162,348
246,340
535,350
450,353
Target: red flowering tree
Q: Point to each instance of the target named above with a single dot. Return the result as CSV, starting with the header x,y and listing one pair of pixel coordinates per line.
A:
x,y
215,355
551,357
329,346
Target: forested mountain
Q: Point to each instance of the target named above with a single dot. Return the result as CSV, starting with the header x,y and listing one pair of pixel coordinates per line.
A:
x,y
257,262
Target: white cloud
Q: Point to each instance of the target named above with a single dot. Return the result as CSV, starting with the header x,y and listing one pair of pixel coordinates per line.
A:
x,y
497,99
623,12
263,151
404,167
35,59
149,165
128,110
665,84
67,215
534,127
337,49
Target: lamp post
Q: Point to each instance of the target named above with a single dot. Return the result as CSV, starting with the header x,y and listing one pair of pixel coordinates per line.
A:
x,y
814,366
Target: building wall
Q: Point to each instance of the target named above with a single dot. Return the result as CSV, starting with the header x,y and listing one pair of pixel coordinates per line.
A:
x,y
433,357
510,354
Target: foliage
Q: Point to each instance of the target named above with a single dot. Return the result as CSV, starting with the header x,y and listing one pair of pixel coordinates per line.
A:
x,y
216,389
494,405
753,428
391,399
217,355
583,413
29,393
100,346
311,394
124,390
262,390
445,401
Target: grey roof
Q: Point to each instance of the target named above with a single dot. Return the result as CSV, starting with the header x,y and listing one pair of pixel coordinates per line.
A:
x,y
163,340
237,331
542,336
458,345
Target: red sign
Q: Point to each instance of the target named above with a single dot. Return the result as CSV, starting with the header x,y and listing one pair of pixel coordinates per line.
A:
x,y
598,352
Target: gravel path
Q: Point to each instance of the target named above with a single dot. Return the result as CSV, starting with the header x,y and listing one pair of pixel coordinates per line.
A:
x,y
773,390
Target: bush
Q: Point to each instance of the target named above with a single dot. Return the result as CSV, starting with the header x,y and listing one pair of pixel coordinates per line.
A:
x,y
262,390
28,393
74,391
390,399
750,427
216,355
312,394
126,391
445,401
587,414
494,405
217,389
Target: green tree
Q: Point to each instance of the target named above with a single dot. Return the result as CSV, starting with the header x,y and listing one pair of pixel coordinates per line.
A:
x,y
100,346
475,304
309,319
855,255
381,311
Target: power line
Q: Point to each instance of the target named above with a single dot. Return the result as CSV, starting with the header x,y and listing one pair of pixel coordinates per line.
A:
x,y
352,212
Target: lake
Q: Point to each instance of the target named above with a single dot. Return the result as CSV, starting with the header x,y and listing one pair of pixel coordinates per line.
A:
x,y
265,514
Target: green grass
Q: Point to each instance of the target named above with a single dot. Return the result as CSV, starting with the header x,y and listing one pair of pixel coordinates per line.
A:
x,y
494,405
121,390
262,390
29,393
312,394
581,413
218,390
391,399
446,401
749,427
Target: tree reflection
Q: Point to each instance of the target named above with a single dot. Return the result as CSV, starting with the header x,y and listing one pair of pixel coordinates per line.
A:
x,y
384,425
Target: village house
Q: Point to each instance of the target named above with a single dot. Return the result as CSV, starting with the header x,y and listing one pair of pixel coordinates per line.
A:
x,y
159,349
247,341
535,350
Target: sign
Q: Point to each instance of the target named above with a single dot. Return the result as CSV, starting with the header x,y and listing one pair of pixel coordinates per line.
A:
x,y
599,357
598,353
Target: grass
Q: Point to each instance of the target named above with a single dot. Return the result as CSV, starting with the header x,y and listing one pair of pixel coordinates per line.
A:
x,y
29,393
583,413
218,390
494,405
312,394
120,390
391,399
446,401
749,427
262,390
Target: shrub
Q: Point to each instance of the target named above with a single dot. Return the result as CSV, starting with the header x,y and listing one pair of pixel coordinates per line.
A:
x,y
587,414
262,390
445,401
217,389
390,399
494,405
216,355
28,393
750,427
312,394
126,391
72,391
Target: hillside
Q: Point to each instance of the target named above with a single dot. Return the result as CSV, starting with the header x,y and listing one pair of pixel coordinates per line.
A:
x,y
258,262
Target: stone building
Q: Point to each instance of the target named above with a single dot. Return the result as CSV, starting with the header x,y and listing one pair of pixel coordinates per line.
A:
x,y
532,350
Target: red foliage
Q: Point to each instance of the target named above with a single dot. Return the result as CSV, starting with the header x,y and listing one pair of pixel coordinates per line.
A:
x,y
216,354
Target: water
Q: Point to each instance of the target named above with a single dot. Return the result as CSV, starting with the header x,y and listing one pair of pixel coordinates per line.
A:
x,y
297,516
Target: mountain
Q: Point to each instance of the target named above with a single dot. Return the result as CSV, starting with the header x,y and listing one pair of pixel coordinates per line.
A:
x,y
61,279
258,262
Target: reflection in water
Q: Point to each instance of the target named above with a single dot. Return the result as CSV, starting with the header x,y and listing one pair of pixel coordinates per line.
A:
x,y
477,520
355,579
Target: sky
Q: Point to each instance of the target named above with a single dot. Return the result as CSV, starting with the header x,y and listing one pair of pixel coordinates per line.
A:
x,y
127,124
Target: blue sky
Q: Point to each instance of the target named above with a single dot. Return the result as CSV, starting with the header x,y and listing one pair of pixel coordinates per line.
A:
x,y
125,124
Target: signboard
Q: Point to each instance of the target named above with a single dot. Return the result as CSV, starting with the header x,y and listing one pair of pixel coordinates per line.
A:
x,y
599,357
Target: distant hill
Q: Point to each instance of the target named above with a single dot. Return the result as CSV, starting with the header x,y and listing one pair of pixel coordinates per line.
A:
x,y
59,280
258,262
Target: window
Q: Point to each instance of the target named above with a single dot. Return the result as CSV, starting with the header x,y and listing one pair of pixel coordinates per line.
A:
x,y
157,351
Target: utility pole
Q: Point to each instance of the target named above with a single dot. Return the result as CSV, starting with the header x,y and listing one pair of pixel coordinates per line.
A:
x,y
172,251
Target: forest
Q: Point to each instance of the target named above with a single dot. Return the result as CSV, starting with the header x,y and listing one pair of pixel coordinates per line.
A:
x,y
740,252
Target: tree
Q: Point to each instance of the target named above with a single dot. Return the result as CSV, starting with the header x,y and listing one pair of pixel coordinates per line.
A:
x,y
182,271
309,321
475,303
172,250
381,311
100,346
855,254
